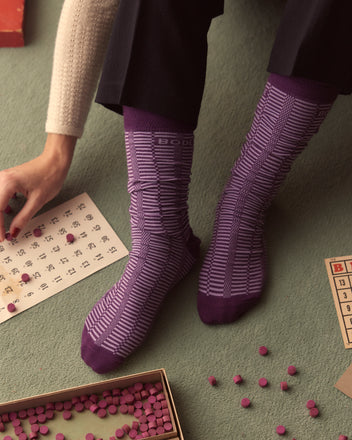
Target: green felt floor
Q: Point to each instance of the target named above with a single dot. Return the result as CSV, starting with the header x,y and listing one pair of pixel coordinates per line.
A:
x,y
309,221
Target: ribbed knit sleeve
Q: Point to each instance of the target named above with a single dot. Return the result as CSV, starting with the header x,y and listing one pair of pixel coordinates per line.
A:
x,y
81,41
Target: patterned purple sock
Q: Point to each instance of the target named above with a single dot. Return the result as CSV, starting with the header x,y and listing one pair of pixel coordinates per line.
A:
x,y
232,277
164,249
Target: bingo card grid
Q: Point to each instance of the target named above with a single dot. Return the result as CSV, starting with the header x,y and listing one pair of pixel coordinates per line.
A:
x,y
340,276
52,263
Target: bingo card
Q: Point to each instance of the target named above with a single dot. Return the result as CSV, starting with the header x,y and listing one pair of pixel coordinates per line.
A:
x,y
340,277
52,263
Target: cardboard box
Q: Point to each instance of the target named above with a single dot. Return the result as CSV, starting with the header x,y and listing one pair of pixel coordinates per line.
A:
x,y
11,23
82,423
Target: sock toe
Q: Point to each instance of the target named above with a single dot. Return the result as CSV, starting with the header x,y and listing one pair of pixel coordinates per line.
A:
x,y
99,359
219,310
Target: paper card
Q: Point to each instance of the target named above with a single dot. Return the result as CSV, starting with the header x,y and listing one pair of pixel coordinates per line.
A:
x,y
340,276
52,263
344,384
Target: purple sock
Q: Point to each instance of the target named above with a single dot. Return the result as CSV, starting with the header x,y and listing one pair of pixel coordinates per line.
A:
x,y
232,277
164,249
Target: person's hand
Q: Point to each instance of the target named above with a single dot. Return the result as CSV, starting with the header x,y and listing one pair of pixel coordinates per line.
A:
x,y
39,180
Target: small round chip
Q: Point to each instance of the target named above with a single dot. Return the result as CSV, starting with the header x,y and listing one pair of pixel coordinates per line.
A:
x,y
11,307
211,380
281,430
59,436
310,404
37,232
263,382
283,386
245,402
238,379
291,370
263,351
70,238
25,277
314,412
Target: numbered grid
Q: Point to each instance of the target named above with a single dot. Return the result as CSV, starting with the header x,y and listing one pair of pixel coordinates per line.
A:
x,y
340,276
52,263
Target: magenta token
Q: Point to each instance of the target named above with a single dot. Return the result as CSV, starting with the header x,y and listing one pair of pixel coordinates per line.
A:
x,y
112,409
35,427
94,398
126,428
212,380
68,405
33,435
123,409
25,277
263,382
8,236
67,415
238,379
245,403
94,408
59,406
151,399
70,238
102,403
143,427
79,407
7,437
49,414
129,398
59,436
11,307
49,405
119,433
291,370
314,412
101,413
30,412
280,430
18,430
90,436
138,413
138,386
152,425
139,404
16,422
310,404
37,232
130,409
160,430
41,418
263,351
283,386
44,430
168,427
132,434
40,410
22,414
341,437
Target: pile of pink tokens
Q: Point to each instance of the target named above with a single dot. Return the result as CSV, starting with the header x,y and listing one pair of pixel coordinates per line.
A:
x,y
37,232
146,402
263,382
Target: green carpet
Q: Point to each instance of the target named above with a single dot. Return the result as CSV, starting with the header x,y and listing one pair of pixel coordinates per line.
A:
x,y
309,221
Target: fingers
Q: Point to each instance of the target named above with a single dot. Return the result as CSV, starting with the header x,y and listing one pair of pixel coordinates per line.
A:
x,y
30,208
2,227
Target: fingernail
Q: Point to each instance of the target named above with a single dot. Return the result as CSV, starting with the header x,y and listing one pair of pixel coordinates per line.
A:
x,y
16,231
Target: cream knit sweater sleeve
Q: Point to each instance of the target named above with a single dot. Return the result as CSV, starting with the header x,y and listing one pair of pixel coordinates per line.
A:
x,y
81,41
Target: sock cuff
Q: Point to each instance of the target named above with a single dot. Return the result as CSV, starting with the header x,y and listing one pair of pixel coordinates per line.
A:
x,y
140,120
306,89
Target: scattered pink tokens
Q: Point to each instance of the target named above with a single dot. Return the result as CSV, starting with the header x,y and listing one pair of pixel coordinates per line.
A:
x,y
310,404
263,382
212,380
25,277
11,307
70,238
283,386
245,403
59,436
90,436
314,412
281,430
291,370
37,232
238,379
263,351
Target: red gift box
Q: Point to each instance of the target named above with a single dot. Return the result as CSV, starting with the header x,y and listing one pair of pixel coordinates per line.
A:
x,y
11,23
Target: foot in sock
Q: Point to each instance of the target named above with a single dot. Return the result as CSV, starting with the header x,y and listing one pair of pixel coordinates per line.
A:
x,y
233,273
164,248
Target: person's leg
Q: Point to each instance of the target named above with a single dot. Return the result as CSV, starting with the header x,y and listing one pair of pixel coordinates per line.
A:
x,y
289,112
159,158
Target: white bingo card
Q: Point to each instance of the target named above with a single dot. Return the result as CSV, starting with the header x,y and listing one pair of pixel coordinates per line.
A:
x,y
52,263
340,277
